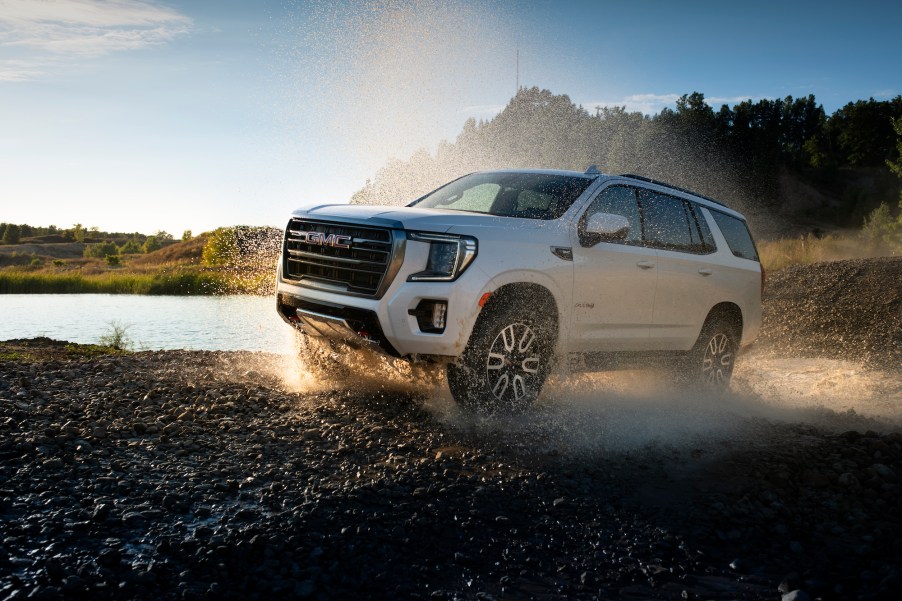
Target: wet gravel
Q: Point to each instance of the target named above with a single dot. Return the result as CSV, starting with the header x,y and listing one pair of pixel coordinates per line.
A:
x,y
193,475
850,309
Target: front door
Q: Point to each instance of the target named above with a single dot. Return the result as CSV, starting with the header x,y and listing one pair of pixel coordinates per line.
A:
x,y
614,281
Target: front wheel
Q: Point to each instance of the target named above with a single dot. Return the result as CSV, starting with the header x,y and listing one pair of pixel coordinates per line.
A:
x,y
505,363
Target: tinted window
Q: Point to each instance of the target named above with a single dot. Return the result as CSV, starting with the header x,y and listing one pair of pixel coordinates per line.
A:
x,y
667,222
700,224
618,200
737,234
529,195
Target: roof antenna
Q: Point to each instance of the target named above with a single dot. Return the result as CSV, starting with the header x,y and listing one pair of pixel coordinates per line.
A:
x,y
592,170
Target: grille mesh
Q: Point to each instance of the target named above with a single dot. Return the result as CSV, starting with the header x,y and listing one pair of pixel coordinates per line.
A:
x,y
360,268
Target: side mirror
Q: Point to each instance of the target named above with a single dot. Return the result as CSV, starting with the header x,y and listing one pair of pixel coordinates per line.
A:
x,y
606,227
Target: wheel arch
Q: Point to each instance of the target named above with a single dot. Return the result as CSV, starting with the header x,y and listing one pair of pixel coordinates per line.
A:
x,y
729,313
541,302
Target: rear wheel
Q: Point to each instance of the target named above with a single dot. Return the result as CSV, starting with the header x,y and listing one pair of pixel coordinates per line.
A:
x,y
505,363
710,362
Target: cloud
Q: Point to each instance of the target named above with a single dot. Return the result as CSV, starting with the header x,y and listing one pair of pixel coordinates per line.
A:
x,y
43,34
642,103
651,104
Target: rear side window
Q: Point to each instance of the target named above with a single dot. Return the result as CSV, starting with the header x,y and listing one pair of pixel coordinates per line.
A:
x,y
737,234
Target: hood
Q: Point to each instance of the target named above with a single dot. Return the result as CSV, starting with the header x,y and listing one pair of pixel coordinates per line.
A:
x,y
411,218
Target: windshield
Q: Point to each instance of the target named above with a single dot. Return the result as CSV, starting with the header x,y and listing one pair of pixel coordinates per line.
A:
x,y
528,195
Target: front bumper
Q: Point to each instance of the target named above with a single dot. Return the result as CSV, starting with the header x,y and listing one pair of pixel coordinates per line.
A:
x,y
389,324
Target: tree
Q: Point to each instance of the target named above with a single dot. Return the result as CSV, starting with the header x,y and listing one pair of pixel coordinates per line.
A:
x,y
78,232
13,234
131,247
152,244
221,247
896,165
187,235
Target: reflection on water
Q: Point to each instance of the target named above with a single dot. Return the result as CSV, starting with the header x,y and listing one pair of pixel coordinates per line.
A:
x,y
152,322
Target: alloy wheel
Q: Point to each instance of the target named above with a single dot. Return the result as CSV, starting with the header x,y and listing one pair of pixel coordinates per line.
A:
x,y
513,364
717,363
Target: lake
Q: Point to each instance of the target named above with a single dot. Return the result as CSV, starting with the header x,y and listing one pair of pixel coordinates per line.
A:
x,y
218,323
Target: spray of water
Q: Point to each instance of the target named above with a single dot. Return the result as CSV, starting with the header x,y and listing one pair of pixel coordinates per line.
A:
x,y
389,77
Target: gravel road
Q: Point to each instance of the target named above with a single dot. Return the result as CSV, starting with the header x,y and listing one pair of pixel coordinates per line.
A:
x,y
202,475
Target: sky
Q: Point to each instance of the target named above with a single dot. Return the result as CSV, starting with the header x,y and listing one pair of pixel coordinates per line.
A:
x,y
146,115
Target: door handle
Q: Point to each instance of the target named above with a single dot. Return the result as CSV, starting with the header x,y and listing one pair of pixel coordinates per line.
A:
x,y
705,271
645,264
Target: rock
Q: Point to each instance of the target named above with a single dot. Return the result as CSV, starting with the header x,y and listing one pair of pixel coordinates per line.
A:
x,y
848,479
884,471
790,582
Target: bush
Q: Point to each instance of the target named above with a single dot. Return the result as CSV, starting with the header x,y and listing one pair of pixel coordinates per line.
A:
x,y
882,227
101,250
117,337
112,260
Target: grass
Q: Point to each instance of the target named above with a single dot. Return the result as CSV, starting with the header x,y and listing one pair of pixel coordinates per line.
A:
x,y
777,254
173,270
37,350
177,282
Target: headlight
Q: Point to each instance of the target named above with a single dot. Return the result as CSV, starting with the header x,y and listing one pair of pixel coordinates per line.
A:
x,y
449,256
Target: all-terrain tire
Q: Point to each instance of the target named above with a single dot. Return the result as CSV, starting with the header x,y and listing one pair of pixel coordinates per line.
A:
x,y
506,361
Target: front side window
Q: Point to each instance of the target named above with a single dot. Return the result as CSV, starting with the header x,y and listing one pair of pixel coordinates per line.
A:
x,y
524,195
617,200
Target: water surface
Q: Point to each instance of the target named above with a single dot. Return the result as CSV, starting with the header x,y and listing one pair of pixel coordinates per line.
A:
x,y
152,322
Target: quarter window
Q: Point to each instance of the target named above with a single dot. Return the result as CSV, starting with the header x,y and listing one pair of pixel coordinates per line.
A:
x,y
737,234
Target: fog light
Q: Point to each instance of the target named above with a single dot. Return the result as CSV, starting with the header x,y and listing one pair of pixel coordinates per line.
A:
x,y
431,316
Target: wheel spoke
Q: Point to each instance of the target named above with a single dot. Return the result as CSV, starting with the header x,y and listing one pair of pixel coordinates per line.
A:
x,y
526,341
495,361
500,386
508,338
530,365
519,387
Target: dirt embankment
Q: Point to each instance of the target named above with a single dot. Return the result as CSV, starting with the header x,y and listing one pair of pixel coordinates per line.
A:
x,y
190,475
850,309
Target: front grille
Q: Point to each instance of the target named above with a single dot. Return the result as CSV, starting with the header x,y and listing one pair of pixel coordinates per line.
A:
x,y
360,269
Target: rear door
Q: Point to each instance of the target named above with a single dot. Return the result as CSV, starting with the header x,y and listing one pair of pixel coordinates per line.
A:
x,y
614,282
688,281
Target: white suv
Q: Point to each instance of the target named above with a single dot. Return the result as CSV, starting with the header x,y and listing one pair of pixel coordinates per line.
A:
x,y
504,272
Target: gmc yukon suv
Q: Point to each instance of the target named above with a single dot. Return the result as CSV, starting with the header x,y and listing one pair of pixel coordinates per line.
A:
x,y
499,274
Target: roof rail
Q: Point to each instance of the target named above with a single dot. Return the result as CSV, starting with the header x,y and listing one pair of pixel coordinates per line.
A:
x,y
671,186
